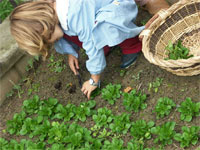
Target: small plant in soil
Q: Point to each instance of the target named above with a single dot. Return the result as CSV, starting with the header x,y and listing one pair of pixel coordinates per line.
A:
x,y
47,107
103,117
134,144
77,136
189,109
134,101
56,66
41,130
64,112
121,123
116,144
57,133
122,73
163,107
111,93
28,126
137,76
141,129
15,125
190,135
31,63
84,110
155,85
23,144
177,51
31,106
165,133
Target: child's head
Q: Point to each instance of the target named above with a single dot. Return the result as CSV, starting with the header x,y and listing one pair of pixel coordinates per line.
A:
x,y
32,25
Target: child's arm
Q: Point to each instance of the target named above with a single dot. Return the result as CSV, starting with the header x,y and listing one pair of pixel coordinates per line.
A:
x,y
95,65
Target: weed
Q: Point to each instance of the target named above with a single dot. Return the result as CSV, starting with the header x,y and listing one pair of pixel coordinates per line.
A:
x,y
155,85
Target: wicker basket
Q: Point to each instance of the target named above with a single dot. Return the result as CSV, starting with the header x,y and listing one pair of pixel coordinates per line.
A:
x,y
180,22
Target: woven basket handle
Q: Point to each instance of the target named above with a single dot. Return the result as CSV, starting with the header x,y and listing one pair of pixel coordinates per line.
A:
x,y
161,14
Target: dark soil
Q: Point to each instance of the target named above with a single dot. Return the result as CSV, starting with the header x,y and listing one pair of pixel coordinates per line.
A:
x,y
65,87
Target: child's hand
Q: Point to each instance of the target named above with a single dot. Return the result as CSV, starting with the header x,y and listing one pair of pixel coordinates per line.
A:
x,y
73,63
87,89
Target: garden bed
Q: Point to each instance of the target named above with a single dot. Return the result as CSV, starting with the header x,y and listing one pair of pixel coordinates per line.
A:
x,y
46,82
54,79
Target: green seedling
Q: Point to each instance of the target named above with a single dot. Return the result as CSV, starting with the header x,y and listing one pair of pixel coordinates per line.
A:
x,y
189,109
77,136
177,51
57,133
31,106
137,77
136,145
41,130
103,117
83,110
23,144
155,85
134,101
111,93
16,87
190,135
116,144
15,125
165,133
47,107
64,112
122,73
121,123
104,133
31,63
56,66
6,8
141,129
163,107
10,94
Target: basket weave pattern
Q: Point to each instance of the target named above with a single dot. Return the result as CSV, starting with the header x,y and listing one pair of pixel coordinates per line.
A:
x,y
180,22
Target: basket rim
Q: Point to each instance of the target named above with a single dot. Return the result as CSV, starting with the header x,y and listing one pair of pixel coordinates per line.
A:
x,y
148,32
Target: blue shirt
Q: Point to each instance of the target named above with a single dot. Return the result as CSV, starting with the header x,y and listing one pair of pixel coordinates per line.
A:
x,y
98,23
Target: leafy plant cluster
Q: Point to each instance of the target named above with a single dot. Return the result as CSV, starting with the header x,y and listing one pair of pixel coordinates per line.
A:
x,y
177,51
46,123
134,101
111,93
56,65
141,129
6,8
190,135
189,109
165,133
121,123
163,107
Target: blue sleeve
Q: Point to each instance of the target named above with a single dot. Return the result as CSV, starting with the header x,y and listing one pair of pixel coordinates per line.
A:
x,y
96,62
63,46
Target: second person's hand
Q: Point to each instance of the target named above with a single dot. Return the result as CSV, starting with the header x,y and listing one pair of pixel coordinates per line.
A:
x,y
73,63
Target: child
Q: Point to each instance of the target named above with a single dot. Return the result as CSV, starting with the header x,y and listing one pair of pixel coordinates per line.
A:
x,y
94,25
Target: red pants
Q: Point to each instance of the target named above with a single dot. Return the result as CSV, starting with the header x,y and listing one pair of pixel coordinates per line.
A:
x,y
129,46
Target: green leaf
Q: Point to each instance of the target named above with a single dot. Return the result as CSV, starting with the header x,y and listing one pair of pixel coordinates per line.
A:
x,y
188,118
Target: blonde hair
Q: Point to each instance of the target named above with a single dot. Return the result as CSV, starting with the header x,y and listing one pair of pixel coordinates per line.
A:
x,y
32,24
